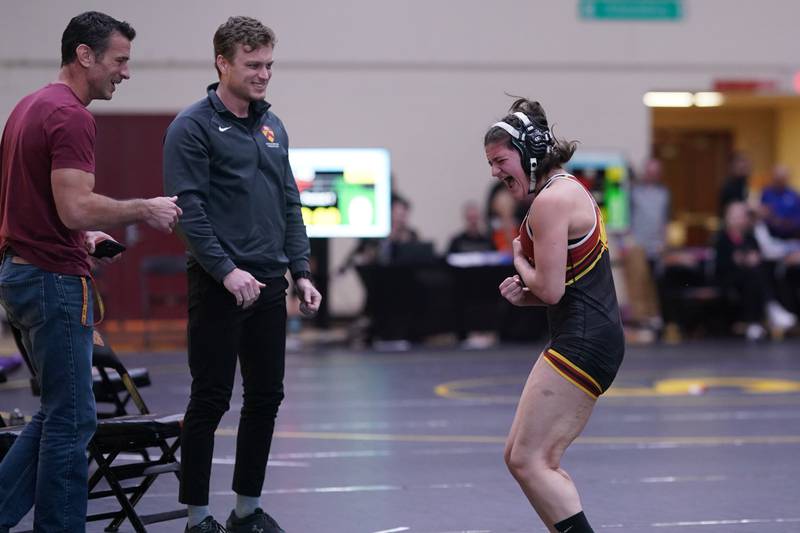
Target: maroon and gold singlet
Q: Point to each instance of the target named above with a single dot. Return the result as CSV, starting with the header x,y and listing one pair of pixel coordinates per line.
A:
x,y
586,339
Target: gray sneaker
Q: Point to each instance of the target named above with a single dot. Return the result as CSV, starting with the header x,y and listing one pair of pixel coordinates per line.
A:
x,y
258,522
208,525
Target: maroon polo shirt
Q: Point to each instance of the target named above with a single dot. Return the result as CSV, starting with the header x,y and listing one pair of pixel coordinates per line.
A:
x,y
49,129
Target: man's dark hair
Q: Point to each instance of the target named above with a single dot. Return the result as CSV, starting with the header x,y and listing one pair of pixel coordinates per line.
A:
x,y
246,31
93,29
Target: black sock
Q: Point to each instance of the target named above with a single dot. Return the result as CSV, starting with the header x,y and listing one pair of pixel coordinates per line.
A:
x,y
574,524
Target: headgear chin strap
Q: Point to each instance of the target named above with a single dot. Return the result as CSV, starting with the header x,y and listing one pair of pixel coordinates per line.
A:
x,y
533,143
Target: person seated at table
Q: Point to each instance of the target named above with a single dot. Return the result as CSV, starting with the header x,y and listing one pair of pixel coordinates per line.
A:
x,y
739,270
472,238
370,251
503,215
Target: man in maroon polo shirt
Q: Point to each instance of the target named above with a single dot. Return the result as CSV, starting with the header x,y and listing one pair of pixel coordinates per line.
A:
x,y
48,212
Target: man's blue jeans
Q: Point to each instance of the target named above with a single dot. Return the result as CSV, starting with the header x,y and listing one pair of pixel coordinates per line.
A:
x,y
47,466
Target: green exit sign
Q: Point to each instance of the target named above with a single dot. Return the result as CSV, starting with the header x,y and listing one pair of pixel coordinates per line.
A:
x,y
631,9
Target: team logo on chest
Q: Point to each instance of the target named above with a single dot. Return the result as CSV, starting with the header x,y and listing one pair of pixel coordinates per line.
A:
x,y
270,135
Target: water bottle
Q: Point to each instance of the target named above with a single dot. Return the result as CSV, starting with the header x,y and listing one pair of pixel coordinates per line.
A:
x,y
16,418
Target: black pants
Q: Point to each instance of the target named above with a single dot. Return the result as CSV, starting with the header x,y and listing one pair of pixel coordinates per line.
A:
x,y
219,330
753,287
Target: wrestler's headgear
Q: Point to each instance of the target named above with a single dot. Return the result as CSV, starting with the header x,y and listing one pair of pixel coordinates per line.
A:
x,y
533,142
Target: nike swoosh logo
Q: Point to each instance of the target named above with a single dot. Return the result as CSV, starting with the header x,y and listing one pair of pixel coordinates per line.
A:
x,y
224,129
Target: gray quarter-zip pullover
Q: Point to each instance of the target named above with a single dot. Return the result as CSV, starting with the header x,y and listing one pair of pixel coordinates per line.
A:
x,y
240,203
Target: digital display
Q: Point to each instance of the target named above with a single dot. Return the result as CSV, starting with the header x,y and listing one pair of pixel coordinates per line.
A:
x,y
605,174
345,192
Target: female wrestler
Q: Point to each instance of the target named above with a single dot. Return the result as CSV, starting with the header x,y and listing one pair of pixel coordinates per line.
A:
x,y
570,273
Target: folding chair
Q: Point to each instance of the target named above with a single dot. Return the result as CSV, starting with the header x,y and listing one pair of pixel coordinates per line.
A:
x,y
129,434
8,434
107,390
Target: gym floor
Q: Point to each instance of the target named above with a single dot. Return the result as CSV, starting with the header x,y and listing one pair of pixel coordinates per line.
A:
x,y
703,436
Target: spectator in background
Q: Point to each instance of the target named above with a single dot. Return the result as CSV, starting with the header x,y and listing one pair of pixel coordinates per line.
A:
x,y
650,206
401,231
736,188
781,205
777,230
739,270
503,217
472,238
381,251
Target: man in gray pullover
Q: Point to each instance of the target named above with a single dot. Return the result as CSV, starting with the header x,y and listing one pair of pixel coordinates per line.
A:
x,y
226,159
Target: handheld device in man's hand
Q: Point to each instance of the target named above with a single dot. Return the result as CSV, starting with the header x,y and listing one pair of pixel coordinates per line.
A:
x,y
107,248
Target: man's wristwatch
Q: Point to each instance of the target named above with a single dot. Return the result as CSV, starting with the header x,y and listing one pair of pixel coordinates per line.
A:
x,y
302,274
